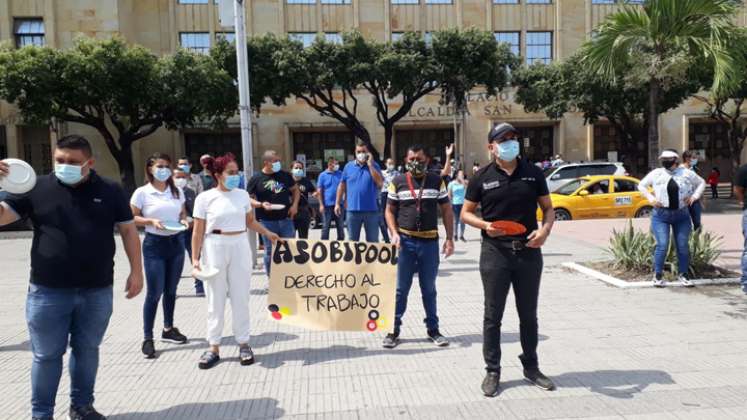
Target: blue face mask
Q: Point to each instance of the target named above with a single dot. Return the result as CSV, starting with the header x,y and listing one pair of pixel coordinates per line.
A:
x,y
276,166
162,174
298,173
185,168
68,174
508,150
232,182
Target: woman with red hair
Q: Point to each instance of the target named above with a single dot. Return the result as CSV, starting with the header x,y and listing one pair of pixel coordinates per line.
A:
x,y
222,216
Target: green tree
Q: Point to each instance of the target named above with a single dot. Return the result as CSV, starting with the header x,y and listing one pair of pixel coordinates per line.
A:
x,y
125,92
665,38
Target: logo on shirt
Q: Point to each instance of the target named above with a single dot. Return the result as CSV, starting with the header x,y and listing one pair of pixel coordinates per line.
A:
x,y
274,186
491,185
529,178
302,188
97,200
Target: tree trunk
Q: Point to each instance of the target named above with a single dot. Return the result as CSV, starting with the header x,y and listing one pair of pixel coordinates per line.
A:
x,y
388,135
126,166
653,124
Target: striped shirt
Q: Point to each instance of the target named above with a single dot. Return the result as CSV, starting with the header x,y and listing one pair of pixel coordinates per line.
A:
x,y
411,221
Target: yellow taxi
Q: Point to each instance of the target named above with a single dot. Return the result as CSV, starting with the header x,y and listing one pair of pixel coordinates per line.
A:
x,y
599,197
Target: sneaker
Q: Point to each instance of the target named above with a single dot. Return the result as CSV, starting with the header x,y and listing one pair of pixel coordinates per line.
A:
x,y
390,341
208,360
42,418
84,413
658,280
463,240
684,281
438,339
456,237
490,384
199,293
246,356
173,336
149,350
538,379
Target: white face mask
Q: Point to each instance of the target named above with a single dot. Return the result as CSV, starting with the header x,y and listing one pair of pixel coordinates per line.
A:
x,y
362,157
390,167
180,182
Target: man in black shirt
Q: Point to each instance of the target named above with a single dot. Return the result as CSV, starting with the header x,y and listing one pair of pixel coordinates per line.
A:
x,y
509,189
740,183
74,212
275,198
412,216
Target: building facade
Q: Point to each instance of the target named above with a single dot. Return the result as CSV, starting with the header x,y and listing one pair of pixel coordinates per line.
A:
x,y
538,30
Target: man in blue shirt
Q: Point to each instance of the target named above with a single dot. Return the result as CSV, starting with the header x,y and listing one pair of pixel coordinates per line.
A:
x,y
326,186
360,185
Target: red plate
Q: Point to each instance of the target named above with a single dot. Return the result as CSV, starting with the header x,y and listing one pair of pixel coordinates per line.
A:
x,y
509,228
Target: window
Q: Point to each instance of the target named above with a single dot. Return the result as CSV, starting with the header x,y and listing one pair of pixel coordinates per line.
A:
x,y
539,1
505,1
569,172
335,1
428,36
306,38
228,36
397,35
602,1
601,187
301,1
195,41
333,37
437,1
510,38
405,1
193,1
625,186
29,32
539,47
570,188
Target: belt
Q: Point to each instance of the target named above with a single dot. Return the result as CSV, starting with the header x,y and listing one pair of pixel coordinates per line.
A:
x,y
429,234
514,246
220,232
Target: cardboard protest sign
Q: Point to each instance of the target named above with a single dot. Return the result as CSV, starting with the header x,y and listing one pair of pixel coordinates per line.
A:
x,y
334,285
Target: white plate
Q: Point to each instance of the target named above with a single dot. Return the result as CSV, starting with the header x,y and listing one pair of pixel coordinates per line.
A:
x,y
174,226
207,273
277,206
21,178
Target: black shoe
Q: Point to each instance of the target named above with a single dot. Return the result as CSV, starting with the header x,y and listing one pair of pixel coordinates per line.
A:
x,y
246,356
84,413
149,350
208,360
490,384
463,240
199,293
173,336
540,380
438,339
390,341
42,418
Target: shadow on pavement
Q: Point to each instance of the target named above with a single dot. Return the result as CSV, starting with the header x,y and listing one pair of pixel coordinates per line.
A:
x,y
468,340
256,341
313,356
25,346
622,384
260,408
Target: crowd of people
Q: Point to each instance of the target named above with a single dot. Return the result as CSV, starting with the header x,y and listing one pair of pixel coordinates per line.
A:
x,y
207,216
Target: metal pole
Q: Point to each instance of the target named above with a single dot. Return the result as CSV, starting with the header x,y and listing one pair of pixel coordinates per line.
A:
x,y
247,153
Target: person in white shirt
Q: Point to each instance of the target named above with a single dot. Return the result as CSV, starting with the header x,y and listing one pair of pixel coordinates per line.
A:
x,y
222,216
675,190
157,206
389,173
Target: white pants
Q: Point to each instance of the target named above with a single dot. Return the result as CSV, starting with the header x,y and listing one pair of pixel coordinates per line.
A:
x,y
230,255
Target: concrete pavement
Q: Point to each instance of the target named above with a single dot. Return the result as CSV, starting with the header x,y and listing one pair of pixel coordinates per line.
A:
x,y
632,354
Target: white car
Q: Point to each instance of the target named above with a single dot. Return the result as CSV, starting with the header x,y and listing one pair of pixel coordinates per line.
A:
x,y
557,177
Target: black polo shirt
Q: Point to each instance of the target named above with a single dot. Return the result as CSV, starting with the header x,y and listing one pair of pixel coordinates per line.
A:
x,y
275,189
504,197
73,243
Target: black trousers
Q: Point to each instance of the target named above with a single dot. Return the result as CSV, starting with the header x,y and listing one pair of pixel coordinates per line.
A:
x,y
500,268
301,223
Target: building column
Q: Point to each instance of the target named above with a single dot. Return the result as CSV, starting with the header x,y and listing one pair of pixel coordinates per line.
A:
x,y
11,136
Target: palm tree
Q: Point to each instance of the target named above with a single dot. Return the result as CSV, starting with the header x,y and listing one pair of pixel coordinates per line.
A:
x,y
664,38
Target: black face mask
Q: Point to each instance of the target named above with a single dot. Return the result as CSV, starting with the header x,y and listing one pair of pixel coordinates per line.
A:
x,y
668,163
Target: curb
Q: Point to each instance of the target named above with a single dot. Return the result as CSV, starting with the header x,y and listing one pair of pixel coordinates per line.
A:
x,y
622,284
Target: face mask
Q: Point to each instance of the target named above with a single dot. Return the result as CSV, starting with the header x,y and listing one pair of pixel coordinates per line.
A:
x,y
185,168
693,162
180,182
68,174
162,174
362,157
337,167
298,173
390,167
232,182
416,168
507,150
668,163
276,166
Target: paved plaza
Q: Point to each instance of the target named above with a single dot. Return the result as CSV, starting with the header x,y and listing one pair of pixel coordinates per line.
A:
x,y
632,354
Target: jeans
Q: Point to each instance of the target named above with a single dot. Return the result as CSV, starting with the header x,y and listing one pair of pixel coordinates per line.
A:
x,y
419,256
500,268
329,216
55,316
744,253
382,219
163,259
459,225
283,228
370,222
679,221
696,210
199,287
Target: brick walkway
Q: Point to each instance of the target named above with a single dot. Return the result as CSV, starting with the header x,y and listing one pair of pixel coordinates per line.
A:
x,y
614,354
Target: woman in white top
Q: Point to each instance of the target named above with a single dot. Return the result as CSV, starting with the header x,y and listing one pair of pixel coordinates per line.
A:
x,y
159,203
675,190
222,216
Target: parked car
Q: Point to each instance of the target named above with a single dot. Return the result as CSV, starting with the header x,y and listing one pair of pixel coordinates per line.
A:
x,y
23,224
559,176
599,197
